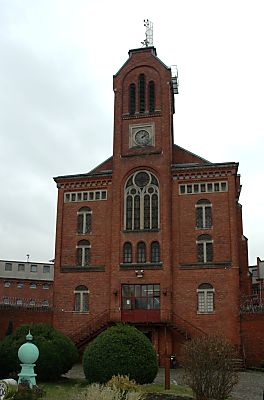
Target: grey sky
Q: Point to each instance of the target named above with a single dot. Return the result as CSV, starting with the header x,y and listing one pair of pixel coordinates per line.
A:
x,y
57,60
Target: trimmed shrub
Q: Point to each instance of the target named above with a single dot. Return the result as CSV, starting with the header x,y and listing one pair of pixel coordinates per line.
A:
x,y
57,353
123,350
209,367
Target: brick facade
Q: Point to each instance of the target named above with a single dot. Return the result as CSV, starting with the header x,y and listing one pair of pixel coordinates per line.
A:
x,y
183,179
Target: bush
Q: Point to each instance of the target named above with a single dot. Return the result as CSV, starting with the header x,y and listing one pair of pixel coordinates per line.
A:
x,y
26,393
209,367
100,392
57,353
122,382
123,350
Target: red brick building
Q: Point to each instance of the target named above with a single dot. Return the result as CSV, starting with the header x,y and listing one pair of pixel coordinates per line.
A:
x,y
153,235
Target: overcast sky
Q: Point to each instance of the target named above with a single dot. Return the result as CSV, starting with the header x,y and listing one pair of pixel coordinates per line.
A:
x,y
57,60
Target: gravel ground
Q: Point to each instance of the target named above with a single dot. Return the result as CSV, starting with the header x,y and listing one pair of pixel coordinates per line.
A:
x,y
250,386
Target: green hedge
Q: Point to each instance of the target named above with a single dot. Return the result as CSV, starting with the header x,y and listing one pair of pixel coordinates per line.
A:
x,y
123,350
57,353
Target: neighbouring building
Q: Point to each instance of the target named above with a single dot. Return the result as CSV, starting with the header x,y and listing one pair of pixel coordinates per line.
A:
x,y
153,235
26,292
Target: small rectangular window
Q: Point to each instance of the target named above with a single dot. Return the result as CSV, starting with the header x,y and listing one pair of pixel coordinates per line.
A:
x,y
79,196
67,197
21,267
73,197
91,195
19,302
202,187
7,284
8,266
33,268
20,285
33,285
45,286
209,187
85,196
182,189
216,187
97,195
223,186
103,194
196,188
189,188
45,303
6,300
46,269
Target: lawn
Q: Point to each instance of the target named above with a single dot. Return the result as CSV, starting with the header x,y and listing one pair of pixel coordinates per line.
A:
x,y
65,389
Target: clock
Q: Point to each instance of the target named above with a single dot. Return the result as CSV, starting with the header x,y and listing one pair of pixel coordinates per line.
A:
x,y
142,138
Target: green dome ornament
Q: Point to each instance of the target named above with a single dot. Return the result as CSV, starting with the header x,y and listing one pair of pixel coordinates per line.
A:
x,y
28,354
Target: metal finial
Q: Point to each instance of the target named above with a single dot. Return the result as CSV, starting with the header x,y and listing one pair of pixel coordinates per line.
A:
x,y
149,33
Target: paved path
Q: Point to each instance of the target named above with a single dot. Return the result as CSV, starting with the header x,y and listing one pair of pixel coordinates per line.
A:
x,y
250,386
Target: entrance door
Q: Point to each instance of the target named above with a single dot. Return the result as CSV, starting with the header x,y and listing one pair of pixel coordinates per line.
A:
x,y
141,303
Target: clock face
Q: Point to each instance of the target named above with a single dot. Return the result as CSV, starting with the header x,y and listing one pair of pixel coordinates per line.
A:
x,y
142,137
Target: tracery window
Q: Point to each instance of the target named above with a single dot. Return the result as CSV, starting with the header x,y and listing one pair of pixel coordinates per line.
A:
x,y
204,248
155,252
141,252
127,252
203,214
83,253
84,220
81,299
205,293
141,202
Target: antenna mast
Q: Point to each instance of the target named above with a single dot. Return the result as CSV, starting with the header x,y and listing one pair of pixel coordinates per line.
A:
x,y
148,42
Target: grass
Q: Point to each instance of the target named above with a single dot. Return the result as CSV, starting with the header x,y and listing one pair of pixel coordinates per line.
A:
x,y
63,389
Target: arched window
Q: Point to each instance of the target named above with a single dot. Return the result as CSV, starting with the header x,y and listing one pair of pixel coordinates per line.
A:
x,y
205,293
151,94
203,214
84,220
83,253
132,98
141,252
142,202
81,299
141,91
204,248
127,252
155,252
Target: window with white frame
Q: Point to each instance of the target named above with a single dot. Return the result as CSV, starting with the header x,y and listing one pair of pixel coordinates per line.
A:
x,y
21,267
205,294
84,220
7,284
33,268
141,202
127,252
204,248
155,252
141,252
203,210
83,253
33,285
20,285
46,269
8,266
81,299
19,302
